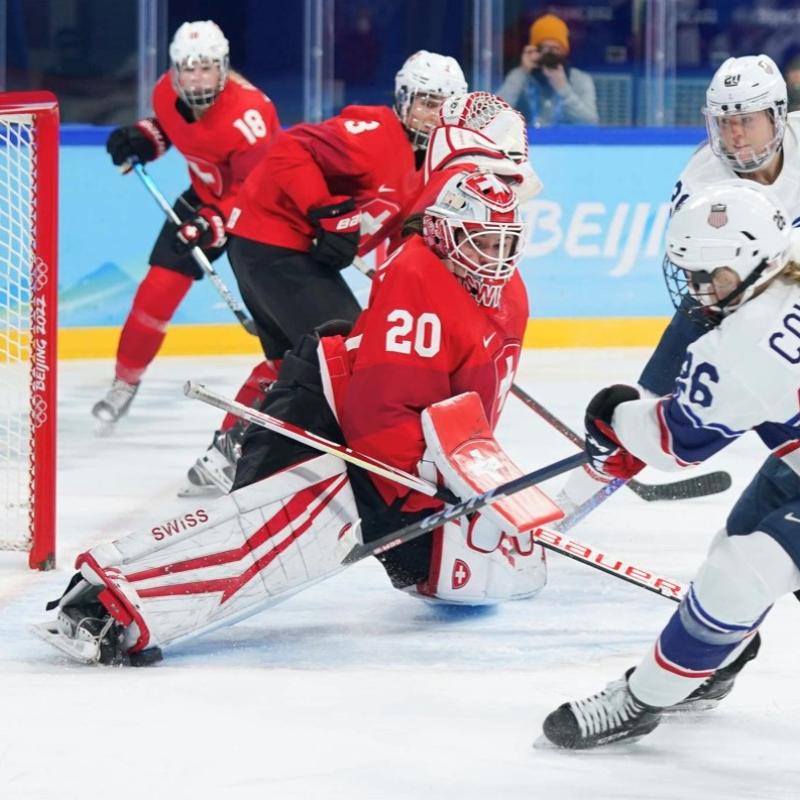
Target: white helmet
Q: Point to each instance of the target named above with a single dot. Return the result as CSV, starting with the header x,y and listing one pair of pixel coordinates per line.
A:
x,y
199,44
475,224
425,75
734,225
493,117
743,86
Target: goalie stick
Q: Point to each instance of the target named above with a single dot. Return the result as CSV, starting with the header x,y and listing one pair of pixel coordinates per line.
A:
x,y
199,392
199,256
552,539
700,486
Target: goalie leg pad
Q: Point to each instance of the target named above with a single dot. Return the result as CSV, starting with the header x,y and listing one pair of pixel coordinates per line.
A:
x,y
515,570
227,561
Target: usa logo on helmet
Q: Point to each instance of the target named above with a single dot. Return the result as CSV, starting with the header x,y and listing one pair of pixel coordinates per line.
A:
x,y
718,216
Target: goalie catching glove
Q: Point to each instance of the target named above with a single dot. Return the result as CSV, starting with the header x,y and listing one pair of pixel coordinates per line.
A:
x,y
337,231
145,141
606,453
205,230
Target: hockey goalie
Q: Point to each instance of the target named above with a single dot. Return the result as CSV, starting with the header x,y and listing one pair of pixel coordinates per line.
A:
x,y
418,383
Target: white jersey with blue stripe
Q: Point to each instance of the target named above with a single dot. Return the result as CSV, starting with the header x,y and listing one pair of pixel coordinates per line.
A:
x,y
704,168
743,375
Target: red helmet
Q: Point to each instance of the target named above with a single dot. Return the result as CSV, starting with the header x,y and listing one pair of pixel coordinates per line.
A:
x,y
475,225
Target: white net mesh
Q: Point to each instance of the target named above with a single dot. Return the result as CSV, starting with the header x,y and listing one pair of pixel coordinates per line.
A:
x,y
17,210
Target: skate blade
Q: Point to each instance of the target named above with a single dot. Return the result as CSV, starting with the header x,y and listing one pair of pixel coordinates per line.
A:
x,y
82,652
614,746
192,490
103,427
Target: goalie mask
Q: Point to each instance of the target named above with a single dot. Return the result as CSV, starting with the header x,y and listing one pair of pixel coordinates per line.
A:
x,y
475,226
199,56
722,245
422,83
745,112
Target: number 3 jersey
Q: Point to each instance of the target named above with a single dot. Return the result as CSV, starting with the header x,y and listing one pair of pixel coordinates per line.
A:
x,y
743,375
224,145
362,153
423,339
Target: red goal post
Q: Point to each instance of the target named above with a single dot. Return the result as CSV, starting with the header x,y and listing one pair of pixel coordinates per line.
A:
x,y
28,323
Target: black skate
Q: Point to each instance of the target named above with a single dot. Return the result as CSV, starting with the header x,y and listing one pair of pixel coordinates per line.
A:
x,y
86,632
114,405
709,693
612,715
83,628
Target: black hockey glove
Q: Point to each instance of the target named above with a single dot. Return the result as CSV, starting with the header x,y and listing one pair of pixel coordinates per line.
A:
x,y
145,141
205,230
337,230
605,452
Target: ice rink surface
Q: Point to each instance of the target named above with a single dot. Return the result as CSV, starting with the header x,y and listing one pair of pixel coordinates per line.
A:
x,y
354,690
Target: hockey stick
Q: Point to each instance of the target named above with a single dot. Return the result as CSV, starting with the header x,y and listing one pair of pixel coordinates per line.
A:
x,y
550,538
700,486
199,392
199,256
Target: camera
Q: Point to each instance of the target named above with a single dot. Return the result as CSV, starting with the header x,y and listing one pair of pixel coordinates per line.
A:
x,y
550,59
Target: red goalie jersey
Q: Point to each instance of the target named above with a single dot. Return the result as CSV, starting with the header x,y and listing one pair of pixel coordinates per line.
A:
x,y
363,153
224,146
422,339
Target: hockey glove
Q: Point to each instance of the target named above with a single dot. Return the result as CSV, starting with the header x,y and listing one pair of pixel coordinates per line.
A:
x,y
206,230
144,141
605,452
337,230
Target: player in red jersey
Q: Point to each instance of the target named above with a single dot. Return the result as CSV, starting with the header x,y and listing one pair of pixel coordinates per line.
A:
x,y
221,124
446,317
421,339
325,192
322,194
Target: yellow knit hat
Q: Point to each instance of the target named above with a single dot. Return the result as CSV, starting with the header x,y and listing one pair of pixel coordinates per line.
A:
x,y
550,27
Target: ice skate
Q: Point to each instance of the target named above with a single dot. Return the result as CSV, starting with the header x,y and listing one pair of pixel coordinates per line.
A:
x,y
214,471
709,693
83,629
612,715
114,405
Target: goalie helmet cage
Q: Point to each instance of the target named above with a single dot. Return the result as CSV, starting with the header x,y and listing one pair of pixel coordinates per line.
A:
x,y
28,323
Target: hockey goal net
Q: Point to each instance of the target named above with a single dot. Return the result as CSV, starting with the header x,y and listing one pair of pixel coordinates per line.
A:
x,y
28,308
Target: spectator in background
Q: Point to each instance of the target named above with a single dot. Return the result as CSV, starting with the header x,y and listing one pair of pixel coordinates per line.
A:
x,y
545,88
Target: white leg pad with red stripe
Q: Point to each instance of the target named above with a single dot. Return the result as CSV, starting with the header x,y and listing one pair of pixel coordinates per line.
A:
x,y
515,570
227,560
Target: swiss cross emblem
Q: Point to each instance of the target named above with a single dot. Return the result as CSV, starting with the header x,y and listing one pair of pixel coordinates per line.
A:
x,y
491,190
461,574
718,216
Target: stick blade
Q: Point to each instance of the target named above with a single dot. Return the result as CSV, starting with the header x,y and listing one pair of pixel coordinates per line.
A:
x,y
687,489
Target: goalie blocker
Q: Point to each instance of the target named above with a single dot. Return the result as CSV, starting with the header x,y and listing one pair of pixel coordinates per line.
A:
x,y
181,577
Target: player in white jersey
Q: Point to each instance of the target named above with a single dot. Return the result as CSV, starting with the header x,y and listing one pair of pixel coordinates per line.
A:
x,y
751,139
729,248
